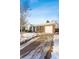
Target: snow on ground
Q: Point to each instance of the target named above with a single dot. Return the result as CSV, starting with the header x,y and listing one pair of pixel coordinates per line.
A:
x,y
56,37
26,44
29,55
55,53
26,36
35,54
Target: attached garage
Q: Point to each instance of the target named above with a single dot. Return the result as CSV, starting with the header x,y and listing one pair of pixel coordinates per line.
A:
x,y
48,29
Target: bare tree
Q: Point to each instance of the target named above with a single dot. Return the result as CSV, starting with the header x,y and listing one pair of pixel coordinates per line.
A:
x,y
22,22
47,21
23,14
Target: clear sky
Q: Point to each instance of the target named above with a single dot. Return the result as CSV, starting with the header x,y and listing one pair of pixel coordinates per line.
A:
x,y
42,10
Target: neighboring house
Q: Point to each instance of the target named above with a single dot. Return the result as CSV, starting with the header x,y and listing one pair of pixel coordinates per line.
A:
x,y
30,28
27,27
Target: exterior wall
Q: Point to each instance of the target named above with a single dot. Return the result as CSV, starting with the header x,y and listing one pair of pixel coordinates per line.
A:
x,y
39,29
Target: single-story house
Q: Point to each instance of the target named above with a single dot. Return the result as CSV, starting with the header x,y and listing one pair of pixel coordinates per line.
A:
x,y
45,28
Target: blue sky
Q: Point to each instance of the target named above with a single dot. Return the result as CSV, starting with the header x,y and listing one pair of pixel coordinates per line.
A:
x,y
41,10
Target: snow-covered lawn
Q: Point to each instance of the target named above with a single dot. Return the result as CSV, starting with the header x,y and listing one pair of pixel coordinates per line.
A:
x,y
55,53
26,44
26,36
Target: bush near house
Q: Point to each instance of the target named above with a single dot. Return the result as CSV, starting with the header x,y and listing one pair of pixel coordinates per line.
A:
x,y
57,30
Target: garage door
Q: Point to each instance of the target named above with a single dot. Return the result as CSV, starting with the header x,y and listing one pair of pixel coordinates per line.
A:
x,y
48,29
